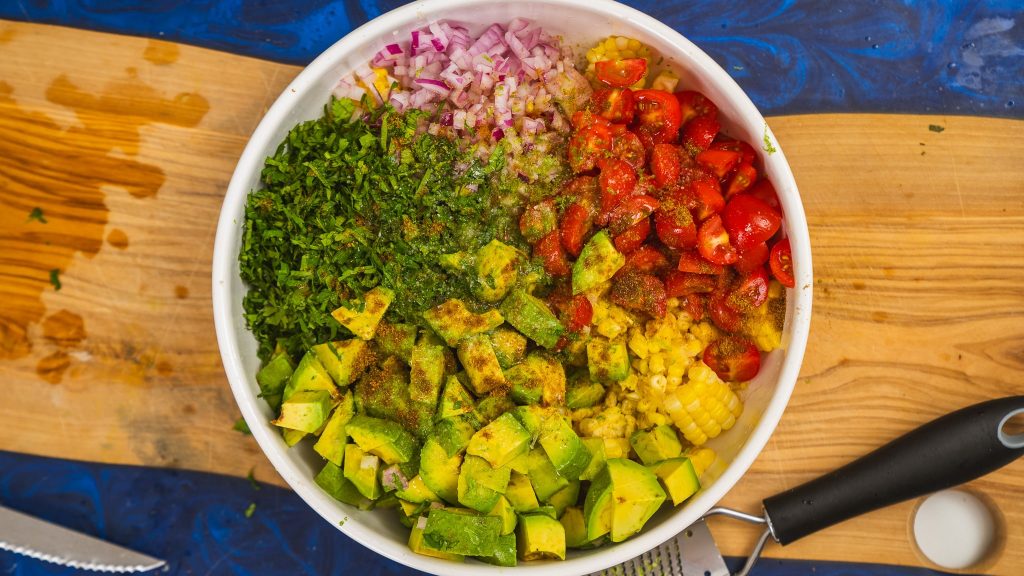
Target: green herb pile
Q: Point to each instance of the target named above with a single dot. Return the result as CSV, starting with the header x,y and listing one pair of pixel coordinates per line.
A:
x,y
349,204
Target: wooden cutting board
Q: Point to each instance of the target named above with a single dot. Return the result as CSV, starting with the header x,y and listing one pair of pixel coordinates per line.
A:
x,y
126,145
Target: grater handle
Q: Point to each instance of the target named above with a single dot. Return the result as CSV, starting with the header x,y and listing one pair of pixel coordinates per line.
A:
x,y
948,451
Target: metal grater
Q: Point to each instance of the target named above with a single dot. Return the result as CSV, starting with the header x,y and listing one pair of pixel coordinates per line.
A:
x,y
692,552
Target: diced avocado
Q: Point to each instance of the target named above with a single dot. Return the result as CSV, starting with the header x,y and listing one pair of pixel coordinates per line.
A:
x,y
454,434
657,444
396,339
583,393
538,537
344,360
598,262
596,447
387,502
453,321
597,506
543,477
383,392
509,346
455,400
273,377
608,360
519,493
410,508
532,317
574,526
292,437
497,268
440,472
331,444
426,372
636,495
504,553
500,441
363,323
521,464
567,452
419,546
547,510
489,408
462,533
678,478
481,364
539,377
565,497
306,411
479,485
309,375
534,418
417,491
333,481
504,510
361,469
385,438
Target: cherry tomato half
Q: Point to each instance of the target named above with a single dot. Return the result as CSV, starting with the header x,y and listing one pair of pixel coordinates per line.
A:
x,y
703,197
630,211
682,283
695,305
657,117
751,258
699,133
764,191
549,250
665,164
714,243
586,117
617,181
723,315
750,291
628,148
644,259
674,224
615,105
746,150
621,73
640,292
578,314
692,261
576,224
733,358
781,263
693,104
741,181
633,237
749,221
721,162
587,145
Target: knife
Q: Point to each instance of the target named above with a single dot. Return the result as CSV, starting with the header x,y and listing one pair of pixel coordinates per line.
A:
x,y
48,542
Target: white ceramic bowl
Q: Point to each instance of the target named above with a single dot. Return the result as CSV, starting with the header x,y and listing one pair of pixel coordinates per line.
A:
x,y
580,22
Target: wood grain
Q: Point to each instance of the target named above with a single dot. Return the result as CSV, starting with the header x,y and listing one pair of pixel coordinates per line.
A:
x,y
127,146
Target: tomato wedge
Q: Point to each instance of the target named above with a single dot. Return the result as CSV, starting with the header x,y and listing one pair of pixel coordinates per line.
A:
x,y
682,283
693,104
723,315
692,261
630,211
750,291
628,148
751,258
781,263
633,237
699,133
578,314
657,117
549,250
745,150
703,197
587,145
741,181
615,105
576,224
713,242
733,358
644,259
621,73
721,162
749,221
617,181
640,292
674,224
665,164
538,220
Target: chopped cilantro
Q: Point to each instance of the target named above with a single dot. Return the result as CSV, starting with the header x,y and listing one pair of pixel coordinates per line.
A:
x,y
737,68
37,214
769,146
242,426
251,477
250,510
55,278
936,128
343,520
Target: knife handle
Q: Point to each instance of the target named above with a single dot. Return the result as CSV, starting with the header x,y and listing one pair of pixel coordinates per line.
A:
x,y
946,452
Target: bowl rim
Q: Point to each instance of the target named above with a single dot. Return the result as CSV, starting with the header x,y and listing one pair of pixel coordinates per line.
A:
x,y
225,271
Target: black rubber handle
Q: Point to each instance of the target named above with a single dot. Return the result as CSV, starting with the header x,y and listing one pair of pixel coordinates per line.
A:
x,y
946,452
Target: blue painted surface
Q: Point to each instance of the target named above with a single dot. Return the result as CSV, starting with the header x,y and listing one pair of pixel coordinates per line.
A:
x,y
196,521
794,56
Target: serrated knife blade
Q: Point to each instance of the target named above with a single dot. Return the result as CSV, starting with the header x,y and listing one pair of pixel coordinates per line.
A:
x,y
28,536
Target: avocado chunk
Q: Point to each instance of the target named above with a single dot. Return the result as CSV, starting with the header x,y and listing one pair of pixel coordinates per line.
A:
x,y
333,481
309,375
598,262
452,321
361,470
657,444
597,457
597,506
489,408
481,364
462,533
454,434
426,372
479,485
538,378
519,493
419,546
497,268
292,437
331,444
678,477
509,346
538,537
532,317
417,492
504,510
383,392
635,492
455,400
583,393
565,497
344,360
574,526
534,418
542,474
383,438
396,339
567,453
273,377
607,361
505,553
440,471
305,411
363,323
500,441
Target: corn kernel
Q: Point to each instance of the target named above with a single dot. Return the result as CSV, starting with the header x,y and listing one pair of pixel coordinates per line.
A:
x,y
638,343
657,364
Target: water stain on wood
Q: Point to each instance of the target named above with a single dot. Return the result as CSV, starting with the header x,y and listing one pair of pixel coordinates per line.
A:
x,y
858,285
6,34
164,368
117,238
64,328
161,53
52,367
181,292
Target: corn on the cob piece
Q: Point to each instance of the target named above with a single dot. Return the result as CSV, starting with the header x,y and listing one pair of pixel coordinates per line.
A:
x,y
704,407
701,458
616,48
